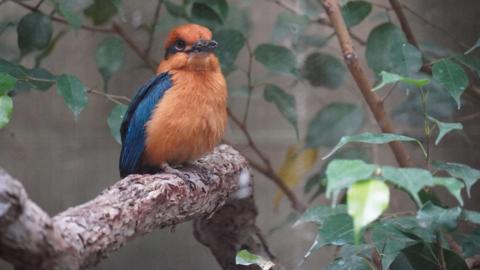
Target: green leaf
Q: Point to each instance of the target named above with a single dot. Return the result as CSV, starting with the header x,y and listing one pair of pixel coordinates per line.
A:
x,y
462,171
349,263
230,43
6,108
406,59
452,77
320,213
433,217
244,257
372,138
175,10
115,121
410,179
34,32
411,228
336,230
476,45
389,242
321,69
7,83
425,257
354,12
220,7
109,57
276,58
333,121
388,78
471,216
72,18
453,185
342,173
470,243
444,128
289,25
101,11
284,102
380,42
73,91
37,78
366,201
205,15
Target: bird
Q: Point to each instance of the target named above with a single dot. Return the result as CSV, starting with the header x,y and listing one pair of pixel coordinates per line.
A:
x,y
180,114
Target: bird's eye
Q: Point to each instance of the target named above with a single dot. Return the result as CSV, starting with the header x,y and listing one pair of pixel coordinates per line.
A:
x,y
180,45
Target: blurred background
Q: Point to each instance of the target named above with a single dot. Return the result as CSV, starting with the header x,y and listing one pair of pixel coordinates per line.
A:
x,y
64,160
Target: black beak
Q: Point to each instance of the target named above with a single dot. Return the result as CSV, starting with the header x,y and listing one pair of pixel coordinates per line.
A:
x,y
204,46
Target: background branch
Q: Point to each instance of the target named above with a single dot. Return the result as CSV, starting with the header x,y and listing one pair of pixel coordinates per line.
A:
x,y
82,236
374,102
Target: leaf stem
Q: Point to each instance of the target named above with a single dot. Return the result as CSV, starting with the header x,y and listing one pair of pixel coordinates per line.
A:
x,y
250,85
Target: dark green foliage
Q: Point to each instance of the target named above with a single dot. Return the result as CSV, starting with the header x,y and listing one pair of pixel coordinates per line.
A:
x,y
284,102
101,11
321,69
230,43
34,32
276,58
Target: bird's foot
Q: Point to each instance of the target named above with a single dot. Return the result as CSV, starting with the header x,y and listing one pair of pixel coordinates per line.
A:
x,y
183,175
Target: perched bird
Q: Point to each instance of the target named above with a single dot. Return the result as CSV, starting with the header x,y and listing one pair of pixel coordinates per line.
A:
x,y
181,113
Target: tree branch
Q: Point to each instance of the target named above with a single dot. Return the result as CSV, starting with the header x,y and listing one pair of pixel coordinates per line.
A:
x,y
373,101
82,236
397,8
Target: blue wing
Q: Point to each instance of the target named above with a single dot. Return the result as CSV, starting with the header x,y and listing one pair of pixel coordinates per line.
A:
x,y
133,126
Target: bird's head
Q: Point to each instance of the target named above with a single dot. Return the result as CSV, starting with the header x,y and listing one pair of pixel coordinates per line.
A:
x,y
189,47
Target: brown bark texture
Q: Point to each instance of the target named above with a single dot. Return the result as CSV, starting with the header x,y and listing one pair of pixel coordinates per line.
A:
x,y
218,188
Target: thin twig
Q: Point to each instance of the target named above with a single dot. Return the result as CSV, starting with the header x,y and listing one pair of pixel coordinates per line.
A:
x,y
389,91
121,32
397,8
373,101
153,26
63,21
468,117
37,6
117,99
267,169
250,85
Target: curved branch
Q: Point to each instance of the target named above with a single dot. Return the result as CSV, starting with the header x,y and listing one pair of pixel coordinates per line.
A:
x,y
84,235
373,101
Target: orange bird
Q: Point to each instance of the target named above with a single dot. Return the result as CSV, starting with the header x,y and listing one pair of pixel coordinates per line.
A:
x,y
181,113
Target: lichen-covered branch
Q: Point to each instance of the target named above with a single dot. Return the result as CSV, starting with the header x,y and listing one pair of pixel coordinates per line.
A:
x,y
83,235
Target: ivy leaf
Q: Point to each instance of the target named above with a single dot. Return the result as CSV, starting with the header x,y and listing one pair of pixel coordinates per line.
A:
x,y
379,138
389,242
342,173
444,128
462,171
380,42
320,213
297,162
406,59
475,46
422,256
452,77
34,32
388,78
470,61
453,185
354,12
109,57
410,179
289,25
244,257
276,58
433,217
72,18
333,121
220,7
321,69
73,91
204,14
6,108
115,119
7,83
230,43
284,102
101,11
366,201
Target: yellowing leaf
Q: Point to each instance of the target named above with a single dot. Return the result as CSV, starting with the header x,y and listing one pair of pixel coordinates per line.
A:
x,y
294,167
